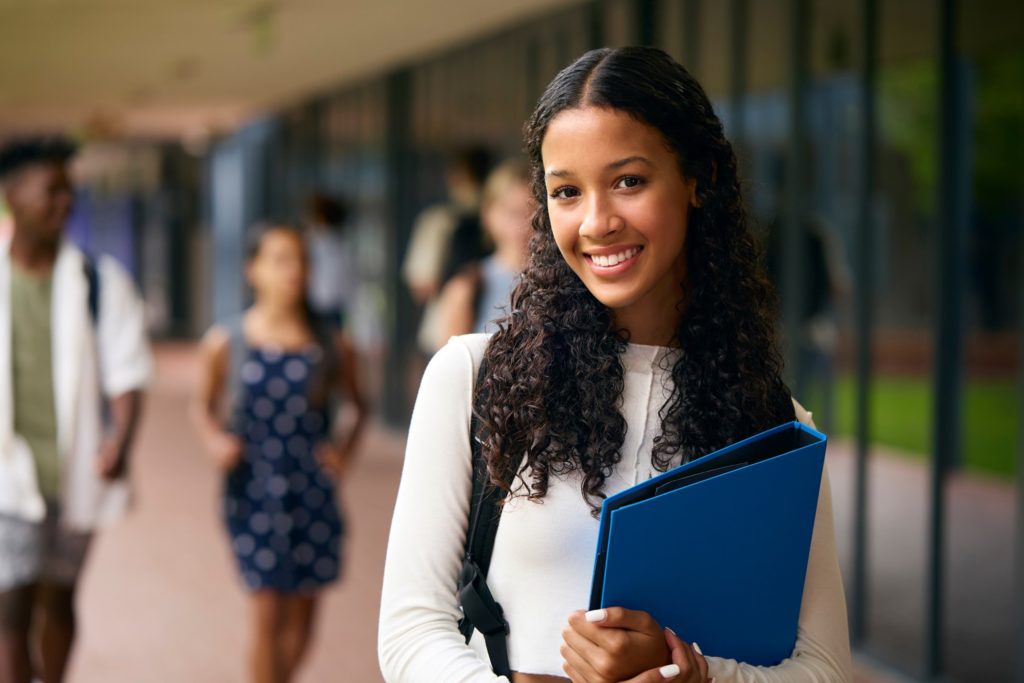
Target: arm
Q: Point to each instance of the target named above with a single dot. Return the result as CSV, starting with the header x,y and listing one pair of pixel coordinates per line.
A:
x,y
116,447
225,448
456,304
338,457
424,257
822,650
418,638
125,365
821,653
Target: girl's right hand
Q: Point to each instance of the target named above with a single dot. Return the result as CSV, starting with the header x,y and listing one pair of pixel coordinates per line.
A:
x,y
226,449
688,665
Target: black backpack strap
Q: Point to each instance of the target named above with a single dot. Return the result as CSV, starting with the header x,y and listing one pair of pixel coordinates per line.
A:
x,y
234,389
92,278
479,608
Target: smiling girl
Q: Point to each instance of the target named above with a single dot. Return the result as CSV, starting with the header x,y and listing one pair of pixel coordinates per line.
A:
x,y
640,337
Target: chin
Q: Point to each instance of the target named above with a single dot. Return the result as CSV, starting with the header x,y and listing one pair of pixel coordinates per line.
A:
x,y
613,300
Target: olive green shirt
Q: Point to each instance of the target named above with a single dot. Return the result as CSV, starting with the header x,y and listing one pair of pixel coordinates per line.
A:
x,y
35,413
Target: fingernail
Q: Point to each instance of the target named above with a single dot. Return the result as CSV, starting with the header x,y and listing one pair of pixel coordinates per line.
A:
x,y
669,671
671,631
697,648
596,615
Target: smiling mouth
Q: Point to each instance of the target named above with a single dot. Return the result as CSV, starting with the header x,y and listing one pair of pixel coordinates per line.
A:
x,y
611,260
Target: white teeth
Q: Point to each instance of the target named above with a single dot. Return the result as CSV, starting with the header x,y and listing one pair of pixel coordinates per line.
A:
x,y
615,259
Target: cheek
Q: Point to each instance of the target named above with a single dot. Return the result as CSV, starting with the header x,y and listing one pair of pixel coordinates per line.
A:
x,y
565,233
663,223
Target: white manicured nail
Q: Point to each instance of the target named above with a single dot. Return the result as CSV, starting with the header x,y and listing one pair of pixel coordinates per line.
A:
x,y
596,615
697,648
670,671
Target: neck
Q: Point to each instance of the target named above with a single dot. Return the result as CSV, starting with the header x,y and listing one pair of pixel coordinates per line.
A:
x,y
511,258
653,322
277,315
32,254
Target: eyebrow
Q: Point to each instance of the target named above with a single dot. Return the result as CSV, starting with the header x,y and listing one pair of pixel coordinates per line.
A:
x,y
563,173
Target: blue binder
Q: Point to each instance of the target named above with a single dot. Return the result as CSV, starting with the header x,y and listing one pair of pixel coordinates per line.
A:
x,y
716,549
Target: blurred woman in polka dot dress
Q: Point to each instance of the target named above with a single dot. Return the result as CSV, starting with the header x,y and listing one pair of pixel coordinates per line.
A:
x,y
272,373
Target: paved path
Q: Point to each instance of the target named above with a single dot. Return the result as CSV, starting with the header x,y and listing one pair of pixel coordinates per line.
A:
x,y
160,601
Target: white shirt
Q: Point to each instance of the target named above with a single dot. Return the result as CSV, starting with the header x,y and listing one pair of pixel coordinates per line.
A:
x,y
331,271
117,362
543,554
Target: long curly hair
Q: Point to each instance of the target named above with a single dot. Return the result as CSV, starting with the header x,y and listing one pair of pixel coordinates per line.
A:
x,y
548,402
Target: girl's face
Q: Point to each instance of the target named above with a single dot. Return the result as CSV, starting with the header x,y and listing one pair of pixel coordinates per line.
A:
x,y
278,270
507,217
618,204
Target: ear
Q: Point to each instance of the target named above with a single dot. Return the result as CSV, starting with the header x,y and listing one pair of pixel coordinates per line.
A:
x,y
247,270
691,188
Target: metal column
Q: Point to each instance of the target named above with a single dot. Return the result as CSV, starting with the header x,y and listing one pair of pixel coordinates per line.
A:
x,y
864,320
949,280
399,169
739,39
795,197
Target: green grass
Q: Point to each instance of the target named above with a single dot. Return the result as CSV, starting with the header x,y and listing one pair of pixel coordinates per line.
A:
x,y
901,410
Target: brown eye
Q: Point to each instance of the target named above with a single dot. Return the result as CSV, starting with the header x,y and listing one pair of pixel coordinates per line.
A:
x,y
631,181
566,192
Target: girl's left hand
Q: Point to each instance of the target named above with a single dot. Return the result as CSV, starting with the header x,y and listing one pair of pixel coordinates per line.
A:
x,y
688,665
333,459
612,645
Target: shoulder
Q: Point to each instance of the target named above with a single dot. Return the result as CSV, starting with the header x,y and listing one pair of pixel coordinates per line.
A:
x,y
454,366
474,344
113,276
463,285
435,216
217,338
215,346
803,415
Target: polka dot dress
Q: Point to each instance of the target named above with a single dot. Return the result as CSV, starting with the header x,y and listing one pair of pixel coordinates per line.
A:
x,y
280,506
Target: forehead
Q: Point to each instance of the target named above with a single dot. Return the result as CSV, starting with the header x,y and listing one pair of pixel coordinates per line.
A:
x,y
578,138
38,171
277,241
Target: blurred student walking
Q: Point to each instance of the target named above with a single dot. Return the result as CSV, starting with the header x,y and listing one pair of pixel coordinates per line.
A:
x,y
72,335
445,237
331,266
264,410
479,293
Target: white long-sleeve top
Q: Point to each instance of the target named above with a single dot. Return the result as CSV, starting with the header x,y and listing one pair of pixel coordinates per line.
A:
x,y
543,554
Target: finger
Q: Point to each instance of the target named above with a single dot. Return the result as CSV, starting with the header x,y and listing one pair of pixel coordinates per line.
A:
x,y
669,672
702,662
682,654
580,654
620,617
574,675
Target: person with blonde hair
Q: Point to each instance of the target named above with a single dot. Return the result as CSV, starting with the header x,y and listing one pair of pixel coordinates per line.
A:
x,y
477,295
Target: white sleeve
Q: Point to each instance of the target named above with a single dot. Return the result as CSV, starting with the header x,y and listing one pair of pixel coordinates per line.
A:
x,y
424,257
822,650
418,638
123,348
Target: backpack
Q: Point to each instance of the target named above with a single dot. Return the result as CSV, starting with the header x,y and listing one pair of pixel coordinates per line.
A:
x,y
92,278
480,610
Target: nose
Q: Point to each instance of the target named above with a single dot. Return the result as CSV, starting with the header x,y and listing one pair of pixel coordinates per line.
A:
x,y
600,219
